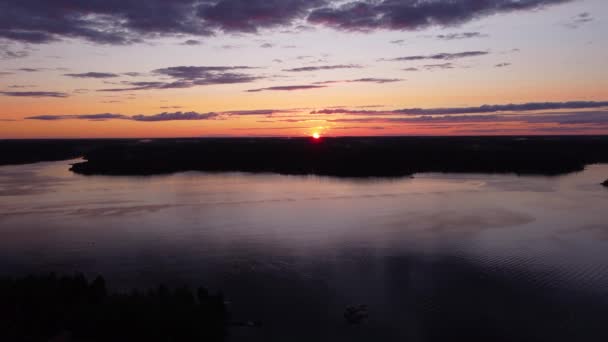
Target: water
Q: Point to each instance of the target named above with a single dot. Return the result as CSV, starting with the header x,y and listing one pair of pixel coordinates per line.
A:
x,y
434,257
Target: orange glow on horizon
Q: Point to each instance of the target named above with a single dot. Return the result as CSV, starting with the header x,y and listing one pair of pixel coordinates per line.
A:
x,y
316,135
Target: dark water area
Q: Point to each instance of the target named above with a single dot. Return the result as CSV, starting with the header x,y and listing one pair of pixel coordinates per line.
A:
x,y
434,257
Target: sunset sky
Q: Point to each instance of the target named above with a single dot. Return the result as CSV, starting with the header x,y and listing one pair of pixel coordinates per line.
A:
x,y
200,68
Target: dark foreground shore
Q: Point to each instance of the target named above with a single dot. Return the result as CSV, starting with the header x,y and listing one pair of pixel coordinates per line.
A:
x,y
342,157
71,308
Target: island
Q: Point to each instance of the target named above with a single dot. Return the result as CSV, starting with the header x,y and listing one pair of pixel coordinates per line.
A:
x,y
327,156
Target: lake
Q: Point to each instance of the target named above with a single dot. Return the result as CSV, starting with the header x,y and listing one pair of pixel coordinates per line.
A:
x,y
434,257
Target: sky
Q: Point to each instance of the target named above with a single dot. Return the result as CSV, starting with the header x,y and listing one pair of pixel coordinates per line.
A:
x,y
221,68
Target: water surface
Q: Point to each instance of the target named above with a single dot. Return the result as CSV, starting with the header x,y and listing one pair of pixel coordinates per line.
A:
x,y
435,256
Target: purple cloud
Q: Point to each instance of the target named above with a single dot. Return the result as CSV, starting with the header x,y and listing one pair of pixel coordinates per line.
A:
x,y
93,75
415,14
364,80
126,22
458,36
286,88
439,56
532,106
324,67
191,76
33,94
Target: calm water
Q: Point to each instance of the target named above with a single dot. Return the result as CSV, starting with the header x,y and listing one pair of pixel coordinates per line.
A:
x,y
434,256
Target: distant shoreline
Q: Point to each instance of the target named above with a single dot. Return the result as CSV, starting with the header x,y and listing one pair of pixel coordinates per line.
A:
x,y
340,157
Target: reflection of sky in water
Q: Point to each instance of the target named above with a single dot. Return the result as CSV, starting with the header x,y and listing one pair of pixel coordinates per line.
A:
x,y
324,234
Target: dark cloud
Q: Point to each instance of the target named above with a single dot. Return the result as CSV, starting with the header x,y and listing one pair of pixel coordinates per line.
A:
x,y
93,117
532,106
324,67
364,80
33,93
438,56
195,72
579,20
286,88
31,69
133,74
230,47
130,21
8,52
93,75
177,116
463,35
502,65
190,76
358,127
259,112
18,86
415,14
192,42
165,116
571,119
251,15
439,66
410,69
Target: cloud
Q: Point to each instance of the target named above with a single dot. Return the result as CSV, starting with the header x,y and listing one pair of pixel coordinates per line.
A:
x,y
177,116
93,75
463,35
439,56
415,14
410,69
561,119
8,52
364,80
127,22
191,76
579,20
267,45
195,72
94,117
252,15
502,65
33,94
286,88
324,67
165,116
259,112
192,42
531,106
357,127
397,41
439,66
31,69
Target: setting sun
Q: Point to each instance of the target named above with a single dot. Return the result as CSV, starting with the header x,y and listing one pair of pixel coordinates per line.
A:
x,y
316,135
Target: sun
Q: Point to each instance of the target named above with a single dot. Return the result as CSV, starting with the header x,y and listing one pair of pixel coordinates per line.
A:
x,y
316,135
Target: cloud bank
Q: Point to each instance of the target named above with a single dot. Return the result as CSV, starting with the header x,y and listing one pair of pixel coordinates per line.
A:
x,y
129,21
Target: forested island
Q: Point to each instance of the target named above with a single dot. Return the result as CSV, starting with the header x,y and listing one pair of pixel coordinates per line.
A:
x,y
342,157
